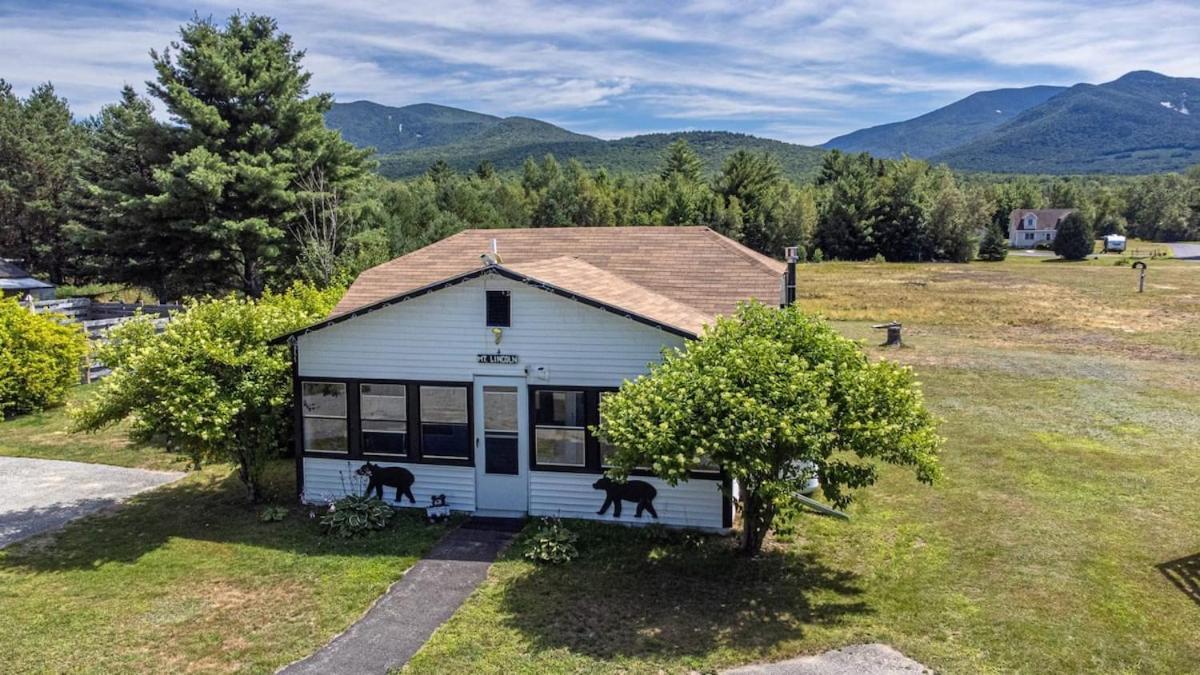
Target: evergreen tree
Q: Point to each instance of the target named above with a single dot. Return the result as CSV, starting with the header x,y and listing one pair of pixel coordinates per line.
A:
x,y
850,208
1074,240
682,161
39,145
248,132
994,246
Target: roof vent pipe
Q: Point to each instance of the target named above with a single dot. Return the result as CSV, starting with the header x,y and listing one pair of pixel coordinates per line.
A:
x,y
792,255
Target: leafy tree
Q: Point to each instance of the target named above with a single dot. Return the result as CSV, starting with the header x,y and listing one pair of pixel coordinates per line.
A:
x,y
210,385
994,246
683,162
39,144
901,228
247,132
1161,208
1075,240
39,359
772,397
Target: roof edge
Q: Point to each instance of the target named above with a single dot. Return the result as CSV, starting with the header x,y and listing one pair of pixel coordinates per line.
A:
x,y
475,273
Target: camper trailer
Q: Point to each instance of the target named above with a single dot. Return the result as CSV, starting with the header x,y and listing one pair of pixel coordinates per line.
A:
x,y
1114,243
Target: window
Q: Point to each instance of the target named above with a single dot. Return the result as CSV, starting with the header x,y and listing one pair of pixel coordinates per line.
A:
x,y
444,422
323,406
1028,236
500,430
499,308
559,428
383,409
1030,222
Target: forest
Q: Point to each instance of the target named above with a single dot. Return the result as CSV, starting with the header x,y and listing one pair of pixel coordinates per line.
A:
x,y
241,187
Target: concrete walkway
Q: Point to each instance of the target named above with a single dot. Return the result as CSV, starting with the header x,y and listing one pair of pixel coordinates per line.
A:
x,y
38,495
870,659
401,621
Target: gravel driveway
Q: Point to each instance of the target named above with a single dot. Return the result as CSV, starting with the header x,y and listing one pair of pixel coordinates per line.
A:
x,y
37,495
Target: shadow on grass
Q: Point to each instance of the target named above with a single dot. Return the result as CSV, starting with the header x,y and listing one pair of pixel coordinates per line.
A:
x,y
654,593
1185,574
209,506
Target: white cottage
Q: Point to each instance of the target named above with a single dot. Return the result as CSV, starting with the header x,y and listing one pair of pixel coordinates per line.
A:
x,y
1029,227
472,368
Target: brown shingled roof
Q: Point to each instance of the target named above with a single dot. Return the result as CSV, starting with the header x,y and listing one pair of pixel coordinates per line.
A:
x,y
688,274
587,280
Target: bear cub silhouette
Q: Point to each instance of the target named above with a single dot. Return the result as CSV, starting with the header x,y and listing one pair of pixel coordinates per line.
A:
x,y
391,476
637,491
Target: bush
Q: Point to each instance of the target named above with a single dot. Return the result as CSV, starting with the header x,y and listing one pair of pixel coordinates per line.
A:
x,y
209,386
356,515
1074,240
273,514
39,359
994,246
552,543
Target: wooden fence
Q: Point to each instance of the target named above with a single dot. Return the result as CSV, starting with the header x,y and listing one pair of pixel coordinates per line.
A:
x,y
95,318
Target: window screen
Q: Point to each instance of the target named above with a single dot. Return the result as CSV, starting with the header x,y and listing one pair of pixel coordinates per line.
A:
x,y
444,425
323,406
499,308
559,431
383,409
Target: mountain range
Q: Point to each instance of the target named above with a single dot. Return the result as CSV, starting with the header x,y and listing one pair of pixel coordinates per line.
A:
x,y
411,138
1139,123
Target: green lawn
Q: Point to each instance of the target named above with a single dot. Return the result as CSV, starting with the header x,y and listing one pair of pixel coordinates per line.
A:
x,y
46,435
185,578
1070,408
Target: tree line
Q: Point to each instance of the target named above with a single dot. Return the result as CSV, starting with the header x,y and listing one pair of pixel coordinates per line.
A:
x,y
242,187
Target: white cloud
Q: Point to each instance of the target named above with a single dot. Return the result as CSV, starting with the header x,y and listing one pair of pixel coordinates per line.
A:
x,y
799,67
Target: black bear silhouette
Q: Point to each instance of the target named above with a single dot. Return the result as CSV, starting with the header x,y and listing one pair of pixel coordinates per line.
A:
x,y
638,491
391,476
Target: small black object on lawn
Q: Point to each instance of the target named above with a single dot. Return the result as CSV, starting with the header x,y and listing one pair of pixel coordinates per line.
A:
x,y
893,334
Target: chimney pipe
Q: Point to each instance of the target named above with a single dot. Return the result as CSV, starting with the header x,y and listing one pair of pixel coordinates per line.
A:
x,y
792,254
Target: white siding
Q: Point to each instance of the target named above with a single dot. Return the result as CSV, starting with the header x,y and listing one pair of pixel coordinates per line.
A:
x,y
695,503
438,337
329,479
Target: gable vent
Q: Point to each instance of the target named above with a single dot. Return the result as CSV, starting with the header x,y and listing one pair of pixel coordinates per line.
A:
x,y
499,308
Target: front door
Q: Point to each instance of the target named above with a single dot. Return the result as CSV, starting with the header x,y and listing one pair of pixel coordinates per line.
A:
x,y
501,469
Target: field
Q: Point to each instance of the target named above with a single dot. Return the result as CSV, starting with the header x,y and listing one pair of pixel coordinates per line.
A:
x,y
1062,538
1068,512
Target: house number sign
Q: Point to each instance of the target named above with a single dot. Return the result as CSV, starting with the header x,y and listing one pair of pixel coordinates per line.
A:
x,y
503,359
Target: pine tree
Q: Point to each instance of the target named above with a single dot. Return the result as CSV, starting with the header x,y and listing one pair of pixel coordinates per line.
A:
x,y
682,161
249,131
994,246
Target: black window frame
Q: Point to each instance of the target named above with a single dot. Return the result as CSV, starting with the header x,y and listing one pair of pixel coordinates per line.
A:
x,y
506,307
413,454
593,463
301,417
408,433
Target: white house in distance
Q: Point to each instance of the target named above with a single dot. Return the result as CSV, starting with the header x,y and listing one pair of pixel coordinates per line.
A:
x,y
472,368
1029,227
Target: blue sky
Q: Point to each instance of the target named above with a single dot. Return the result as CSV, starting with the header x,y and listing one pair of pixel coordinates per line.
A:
x,y
800,71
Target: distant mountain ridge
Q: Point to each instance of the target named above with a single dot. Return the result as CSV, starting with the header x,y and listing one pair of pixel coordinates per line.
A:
x,y
946,127
1138,123
1142,122
411,138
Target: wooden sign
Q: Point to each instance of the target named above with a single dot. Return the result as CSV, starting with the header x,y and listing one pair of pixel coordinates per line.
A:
x,y
502,359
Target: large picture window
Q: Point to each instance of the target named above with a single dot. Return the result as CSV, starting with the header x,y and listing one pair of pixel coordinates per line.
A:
x,y
445,428
323,406
560,428
383,409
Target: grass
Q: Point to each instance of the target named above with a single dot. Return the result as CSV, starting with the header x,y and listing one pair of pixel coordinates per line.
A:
x,y
186,578
1072,467
1056,542
46,435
